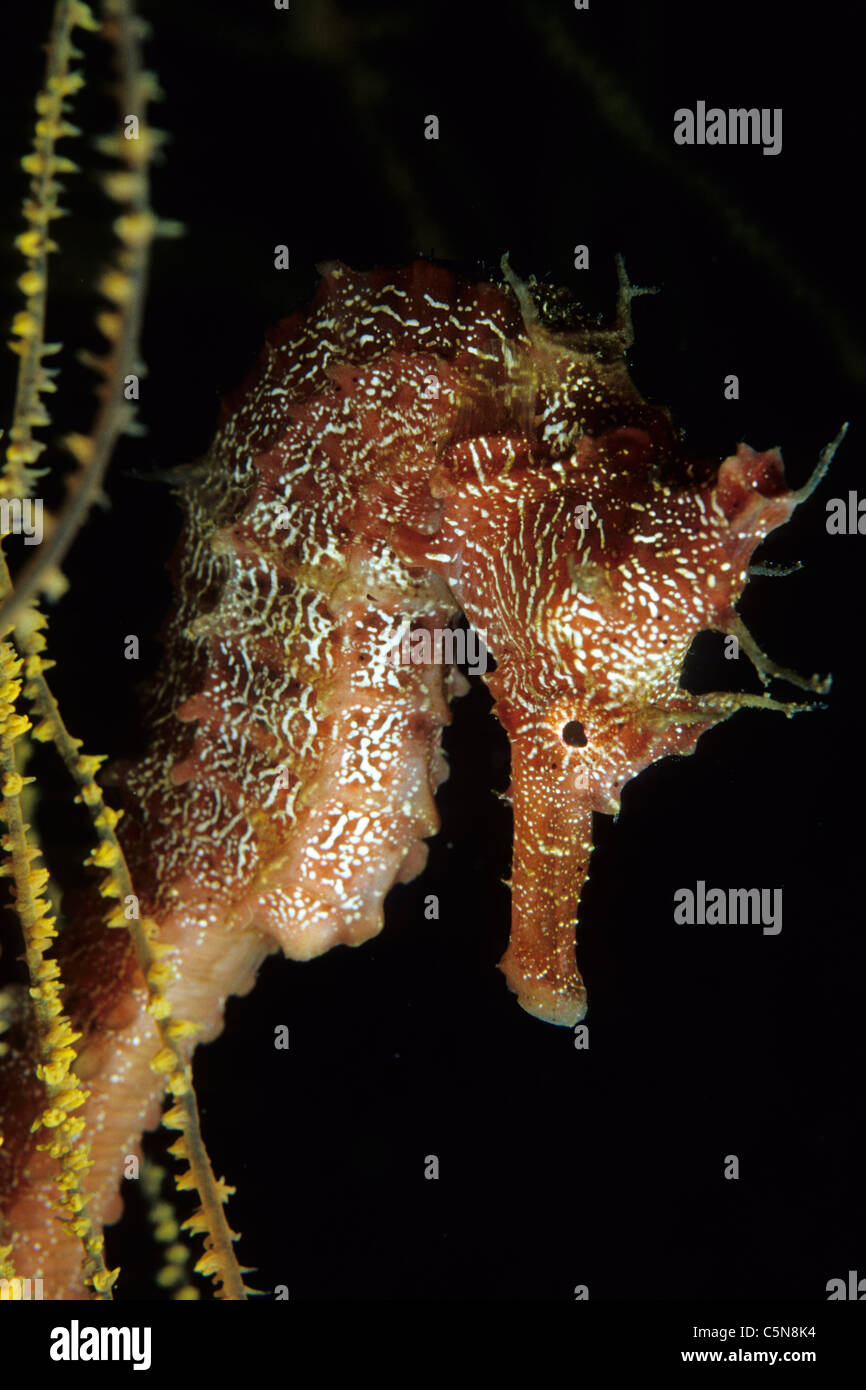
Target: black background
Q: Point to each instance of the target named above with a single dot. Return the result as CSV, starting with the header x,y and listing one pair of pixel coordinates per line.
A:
x,y
558,1167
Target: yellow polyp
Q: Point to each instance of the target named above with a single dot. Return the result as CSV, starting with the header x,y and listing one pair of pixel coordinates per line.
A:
x,y
79,1169
55,128
89,764
25,453
52,1117
109,325
110,888
178,1083
197,1224
61,1035
15,726
179,1148
84,18
135,229
35,163
108,818
162,1212
66,1091
164,1060
159,1007
74,1099
43,931
105,856
117,286
208,1264
41,213
44,992
112,145
58,1068
31,282
160,975
184,1182
90,795
24,324
58,1149
81,1226
36,416
80,446
180,1028
30,243
175,1118
53,1072
104,1280
67,84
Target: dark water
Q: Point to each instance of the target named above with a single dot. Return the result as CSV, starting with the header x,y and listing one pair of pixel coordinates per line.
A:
x,y
558,1167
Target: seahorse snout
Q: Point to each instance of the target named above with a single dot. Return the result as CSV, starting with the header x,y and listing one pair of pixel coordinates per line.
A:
x,y
552,846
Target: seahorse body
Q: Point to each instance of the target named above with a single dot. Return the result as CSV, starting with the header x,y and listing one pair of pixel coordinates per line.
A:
x,y
410,448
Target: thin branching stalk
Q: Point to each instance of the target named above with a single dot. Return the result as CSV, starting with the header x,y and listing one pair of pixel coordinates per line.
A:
x,y
172,1059
123,285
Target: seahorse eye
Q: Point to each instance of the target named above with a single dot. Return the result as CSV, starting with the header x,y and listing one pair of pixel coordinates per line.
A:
x,y
573,734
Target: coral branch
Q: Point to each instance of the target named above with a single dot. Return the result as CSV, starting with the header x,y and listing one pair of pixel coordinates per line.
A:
x,y
63,1092
124,286
42,208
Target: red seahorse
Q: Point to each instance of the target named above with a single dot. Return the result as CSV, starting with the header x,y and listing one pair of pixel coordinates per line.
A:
x,y
410,448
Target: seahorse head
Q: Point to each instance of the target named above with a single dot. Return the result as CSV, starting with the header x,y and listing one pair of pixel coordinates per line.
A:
x,y
592,559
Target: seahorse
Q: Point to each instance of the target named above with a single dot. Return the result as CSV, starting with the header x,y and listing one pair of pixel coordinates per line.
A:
x,y
411,449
